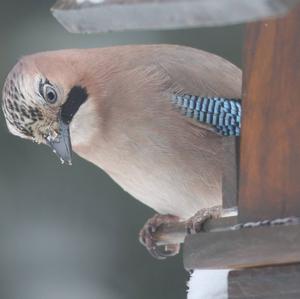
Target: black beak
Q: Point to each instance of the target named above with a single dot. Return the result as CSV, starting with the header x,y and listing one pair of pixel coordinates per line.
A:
x,y
61,145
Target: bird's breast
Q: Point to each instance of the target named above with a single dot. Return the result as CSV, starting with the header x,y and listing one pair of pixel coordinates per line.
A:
x,y
176,176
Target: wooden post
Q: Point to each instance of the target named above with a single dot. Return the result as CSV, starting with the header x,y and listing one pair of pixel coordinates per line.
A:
x,y
270,142
270,154
270,151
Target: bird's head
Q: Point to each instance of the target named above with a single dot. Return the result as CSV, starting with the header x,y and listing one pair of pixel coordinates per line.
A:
x,y
39,103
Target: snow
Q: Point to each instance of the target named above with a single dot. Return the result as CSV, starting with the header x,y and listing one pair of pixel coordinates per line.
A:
x,y
91,1
208,284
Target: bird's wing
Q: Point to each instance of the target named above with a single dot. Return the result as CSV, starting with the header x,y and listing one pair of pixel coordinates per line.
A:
x,y
205,87
220,114
197,72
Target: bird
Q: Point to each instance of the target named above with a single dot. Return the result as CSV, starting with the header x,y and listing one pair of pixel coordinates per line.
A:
x,y
153,117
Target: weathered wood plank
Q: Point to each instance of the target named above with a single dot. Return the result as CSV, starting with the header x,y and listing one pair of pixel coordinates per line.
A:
x,y
81,16
174,233
243,248
230,172
270,143
281,282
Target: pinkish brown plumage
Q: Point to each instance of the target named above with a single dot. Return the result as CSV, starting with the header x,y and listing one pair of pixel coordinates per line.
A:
x,y
127,125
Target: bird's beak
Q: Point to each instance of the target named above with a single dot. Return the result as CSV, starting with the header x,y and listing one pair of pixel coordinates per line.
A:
x,y
61,144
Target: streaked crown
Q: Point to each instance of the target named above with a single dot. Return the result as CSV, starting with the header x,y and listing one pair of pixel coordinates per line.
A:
x,y
22,104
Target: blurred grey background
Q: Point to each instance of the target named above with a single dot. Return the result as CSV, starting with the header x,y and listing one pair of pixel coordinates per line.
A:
x,y
71,232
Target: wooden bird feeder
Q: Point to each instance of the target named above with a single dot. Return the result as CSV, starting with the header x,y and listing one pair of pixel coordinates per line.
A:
x,y
265,259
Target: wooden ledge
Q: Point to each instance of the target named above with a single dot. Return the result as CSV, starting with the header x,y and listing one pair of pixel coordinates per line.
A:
x,y
248,247
92,16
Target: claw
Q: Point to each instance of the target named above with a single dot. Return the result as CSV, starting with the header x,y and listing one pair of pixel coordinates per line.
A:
x,y
197,222
146,237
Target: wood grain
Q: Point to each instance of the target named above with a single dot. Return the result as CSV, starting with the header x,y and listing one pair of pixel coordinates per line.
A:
x,y
119,15
175,233
281,282
248,247
270,143
230,172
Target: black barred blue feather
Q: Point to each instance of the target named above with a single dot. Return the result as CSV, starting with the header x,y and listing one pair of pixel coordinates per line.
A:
x,y
223,114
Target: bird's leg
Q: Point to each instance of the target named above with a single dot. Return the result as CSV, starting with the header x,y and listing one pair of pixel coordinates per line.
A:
x,y
152,226
162,234
196,223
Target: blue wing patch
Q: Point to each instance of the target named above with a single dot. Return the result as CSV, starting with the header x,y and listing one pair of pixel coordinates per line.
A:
x,y
223,114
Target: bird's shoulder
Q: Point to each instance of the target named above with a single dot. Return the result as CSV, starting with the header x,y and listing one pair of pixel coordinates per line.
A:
x,y
194,79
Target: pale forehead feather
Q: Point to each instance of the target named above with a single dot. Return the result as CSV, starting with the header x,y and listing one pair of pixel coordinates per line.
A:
x,y
58,67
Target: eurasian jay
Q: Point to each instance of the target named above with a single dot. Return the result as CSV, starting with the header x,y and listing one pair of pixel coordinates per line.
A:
x,y
151,116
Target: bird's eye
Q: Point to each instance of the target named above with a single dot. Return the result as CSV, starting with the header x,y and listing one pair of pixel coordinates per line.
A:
x,y
50,94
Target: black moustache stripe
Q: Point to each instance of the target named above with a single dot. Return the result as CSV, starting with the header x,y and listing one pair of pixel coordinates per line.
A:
x,y
76,97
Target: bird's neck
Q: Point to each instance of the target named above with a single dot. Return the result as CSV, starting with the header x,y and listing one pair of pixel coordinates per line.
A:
x,y
83,127
95,71
99,69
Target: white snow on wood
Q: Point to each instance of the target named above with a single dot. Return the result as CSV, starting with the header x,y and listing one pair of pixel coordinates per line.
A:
x,y
91,1
208,284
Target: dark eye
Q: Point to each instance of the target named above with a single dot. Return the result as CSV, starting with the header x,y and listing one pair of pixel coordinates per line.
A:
x,y
50,94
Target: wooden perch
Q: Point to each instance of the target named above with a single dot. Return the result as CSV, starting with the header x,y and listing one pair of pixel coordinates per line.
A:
x,y
280,282
92,16
248,247
176,233
170,233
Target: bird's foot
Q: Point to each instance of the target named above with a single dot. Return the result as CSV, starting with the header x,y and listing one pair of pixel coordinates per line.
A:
x,y
195,224
146,236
